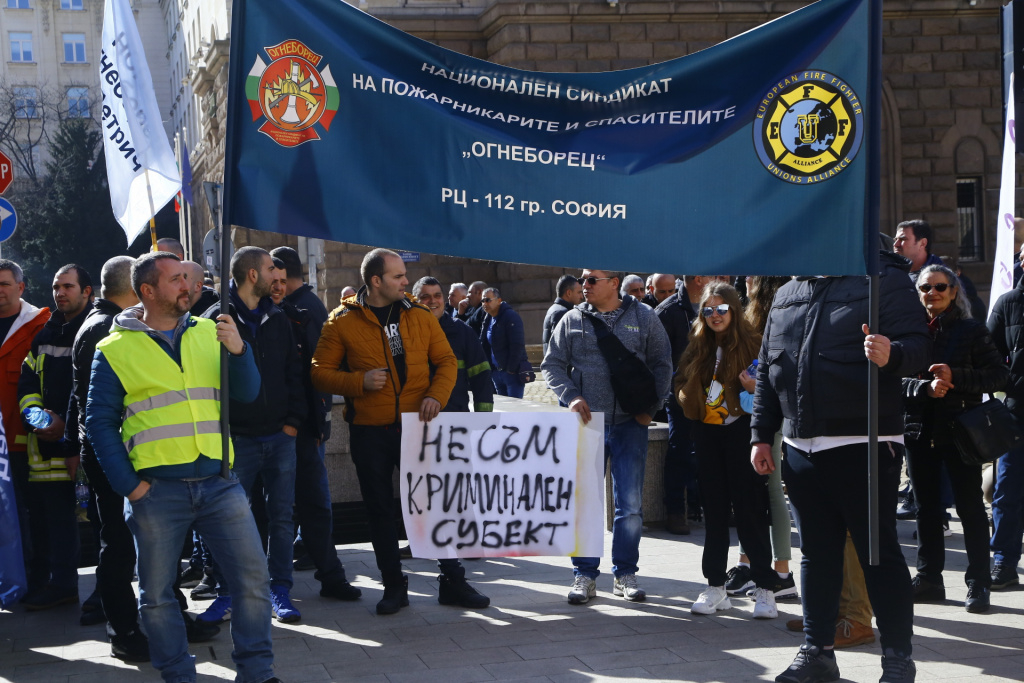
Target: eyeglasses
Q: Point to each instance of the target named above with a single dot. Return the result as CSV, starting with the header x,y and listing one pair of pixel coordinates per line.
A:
x,y
590,280
939,287
486,300
720,309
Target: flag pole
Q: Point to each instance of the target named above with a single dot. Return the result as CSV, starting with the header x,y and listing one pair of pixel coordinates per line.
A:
x,y
152,211
225,299
225,214
871,258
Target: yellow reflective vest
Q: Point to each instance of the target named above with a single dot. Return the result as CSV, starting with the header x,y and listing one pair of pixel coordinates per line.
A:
x,y
171,412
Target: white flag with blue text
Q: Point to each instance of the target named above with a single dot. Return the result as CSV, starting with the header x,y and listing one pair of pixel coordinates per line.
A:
x,y
141,169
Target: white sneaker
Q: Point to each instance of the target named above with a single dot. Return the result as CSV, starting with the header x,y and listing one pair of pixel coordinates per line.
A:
x,y
582,590
764,604
627,587
713,598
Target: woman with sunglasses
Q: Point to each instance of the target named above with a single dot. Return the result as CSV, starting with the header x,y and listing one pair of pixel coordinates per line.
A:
x,y
707,386
966,365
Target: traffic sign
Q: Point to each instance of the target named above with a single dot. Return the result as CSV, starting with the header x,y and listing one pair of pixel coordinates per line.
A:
x,y
8,220
6,172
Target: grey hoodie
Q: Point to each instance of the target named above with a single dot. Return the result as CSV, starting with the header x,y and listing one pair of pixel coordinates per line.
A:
x,y
574,366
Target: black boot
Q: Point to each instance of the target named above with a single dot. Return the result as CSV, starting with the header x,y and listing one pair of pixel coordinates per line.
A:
x,y
455,591
396,596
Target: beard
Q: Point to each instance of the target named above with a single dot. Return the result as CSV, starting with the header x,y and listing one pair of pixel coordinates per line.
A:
x,y
261,288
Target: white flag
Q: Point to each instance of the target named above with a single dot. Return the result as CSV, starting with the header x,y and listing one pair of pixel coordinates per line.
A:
x,y
141,170
1002,268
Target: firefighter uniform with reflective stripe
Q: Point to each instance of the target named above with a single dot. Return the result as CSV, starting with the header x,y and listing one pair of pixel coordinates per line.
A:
x,y
45,382
171,412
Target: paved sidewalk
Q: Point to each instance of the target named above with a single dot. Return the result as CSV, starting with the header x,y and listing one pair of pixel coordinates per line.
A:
x,y
530,633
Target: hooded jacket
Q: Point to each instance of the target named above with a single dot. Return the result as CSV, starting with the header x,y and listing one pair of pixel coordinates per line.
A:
x,y
282,398
15,347
574,365
45,382
353,342
105,406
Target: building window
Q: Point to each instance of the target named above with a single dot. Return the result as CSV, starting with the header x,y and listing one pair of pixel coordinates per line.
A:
x,y
78,103
21,47
969,219
26,99
71,4
74,47
17,4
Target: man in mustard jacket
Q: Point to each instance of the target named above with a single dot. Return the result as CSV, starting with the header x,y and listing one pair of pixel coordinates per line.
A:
x,y
377,350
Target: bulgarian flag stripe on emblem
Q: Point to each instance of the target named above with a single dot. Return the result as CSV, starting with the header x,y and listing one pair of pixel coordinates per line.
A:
x,y
333,99
252,87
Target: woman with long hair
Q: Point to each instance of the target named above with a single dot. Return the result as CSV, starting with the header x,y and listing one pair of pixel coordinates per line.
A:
x,y
707,386
761,292
966,365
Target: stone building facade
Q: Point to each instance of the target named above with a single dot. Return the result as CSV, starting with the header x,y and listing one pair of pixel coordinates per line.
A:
x,y
942,107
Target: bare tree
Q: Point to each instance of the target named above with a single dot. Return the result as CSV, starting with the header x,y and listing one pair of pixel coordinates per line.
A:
x,y
29,116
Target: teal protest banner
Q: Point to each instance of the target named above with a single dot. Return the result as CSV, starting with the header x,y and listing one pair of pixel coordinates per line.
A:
x,y
750,157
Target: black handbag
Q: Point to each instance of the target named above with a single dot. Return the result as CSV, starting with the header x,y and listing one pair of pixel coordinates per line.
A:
x,y
985,432
633,383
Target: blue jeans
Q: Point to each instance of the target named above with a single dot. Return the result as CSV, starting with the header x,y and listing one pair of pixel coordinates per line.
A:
x,y
507,384
273,459
1008,508
625,453
218,510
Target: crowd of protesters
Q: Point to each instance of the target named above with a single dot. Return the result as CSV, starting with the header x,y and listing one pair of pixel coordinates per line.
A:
x,y
761,381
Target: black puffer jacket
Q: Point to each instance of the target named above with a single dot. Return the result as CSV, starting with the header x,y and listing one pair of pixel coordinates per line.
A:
x,y
965,345
95,328
1007,327
812,373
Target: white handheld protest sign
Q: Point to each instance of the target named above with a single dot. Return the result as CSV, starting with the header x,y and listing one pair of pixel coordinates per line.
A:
x,y
503,484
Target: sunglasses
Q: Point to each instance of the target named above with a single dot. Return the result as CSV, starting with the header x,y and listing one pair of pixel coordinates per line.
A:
x,y
486,300
940,287
590,280
720,309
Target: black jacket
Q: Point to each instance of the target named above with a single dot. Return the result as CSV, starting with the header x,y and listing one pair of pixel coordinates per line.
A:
x,y
676,315
47,372
474,369
965,345
207,297
306,330
94,329
282,400
1007,327
475,318
812,372
551,318
506,348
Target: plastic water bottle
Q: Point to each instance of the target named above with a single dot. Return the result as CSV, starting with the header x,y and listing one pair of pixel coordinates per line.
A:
x,y
81,489
81,495
37,417
752,369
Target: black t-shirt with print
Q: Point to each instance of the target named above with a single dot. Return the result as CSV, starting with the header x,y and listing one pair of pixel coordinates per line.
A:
x,y
389,317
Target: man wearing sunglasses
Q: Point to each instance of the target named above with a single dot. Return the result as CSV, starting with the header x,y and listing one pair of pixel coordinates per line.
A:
x,y
577,372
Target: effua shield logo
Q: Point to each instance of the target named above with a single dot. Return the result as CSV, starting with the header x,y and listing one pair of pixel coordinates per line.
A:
x,y
292,92
808,128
